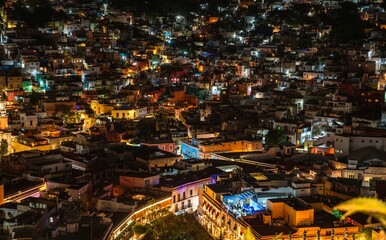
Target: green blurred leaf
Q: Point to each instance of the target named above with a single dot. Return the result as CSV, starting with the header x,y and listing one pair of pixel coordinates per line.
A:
x,y
371,206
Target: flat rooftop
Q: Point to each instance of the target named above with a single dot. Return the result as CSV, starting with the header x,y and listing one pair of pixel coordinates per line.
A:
x,y
295,203
21,185
181,179
139,174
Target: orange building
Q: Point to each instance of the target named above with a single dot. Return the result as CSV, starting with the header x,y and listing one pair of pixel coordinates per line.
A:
x,y
292,210
208,147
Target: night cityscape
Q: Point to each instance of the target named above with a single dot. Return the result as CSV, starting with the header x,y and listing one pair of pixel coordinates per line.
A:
x,y
192,120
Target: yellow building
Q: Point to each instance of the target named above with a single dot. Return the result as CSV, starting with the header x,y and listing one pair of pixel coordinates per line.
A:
x,y
129,113
18,147
37,142
309,220
101,108
325,233
292,218
88,122
3,122
292,210
207,147
214,217
233,146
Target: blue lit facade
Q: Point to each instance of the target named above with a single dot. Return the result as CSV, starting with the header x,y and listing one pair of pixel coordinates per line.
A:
x,y
242,204
190,150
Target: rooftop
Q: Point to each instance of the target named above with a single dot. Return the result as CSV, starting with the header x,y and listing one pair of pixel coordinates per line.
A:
x,y
149,153
20,185
295,203
139,174
267,230
217,188
186,178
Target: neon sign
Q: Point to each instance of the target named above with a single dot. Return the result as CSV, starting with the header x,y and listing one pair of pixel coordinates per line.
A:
x,y
339,214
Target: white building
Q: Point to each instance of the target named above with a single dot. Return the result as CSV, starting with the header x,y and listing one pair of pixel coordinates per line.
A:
x,y
301,188
30,64
297,133
184,189
130,113
112,204
69,28
29,121
366,164
373,173
344,144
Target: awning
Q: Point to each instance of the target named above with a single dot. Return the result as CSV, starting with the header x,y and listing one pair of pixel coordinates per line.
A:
x,y
247,194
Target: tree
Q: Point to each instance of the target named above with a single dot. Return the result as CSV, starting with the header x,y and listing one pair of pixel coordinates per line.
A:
x,y
348,25
274,137
316,131
3,147
34,98
173,227
374,208
66,112
139,230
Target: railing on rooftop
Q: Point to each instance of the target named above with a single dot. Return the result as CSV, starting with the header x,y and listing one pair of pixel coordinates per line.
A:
x,y
228,214
116,232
